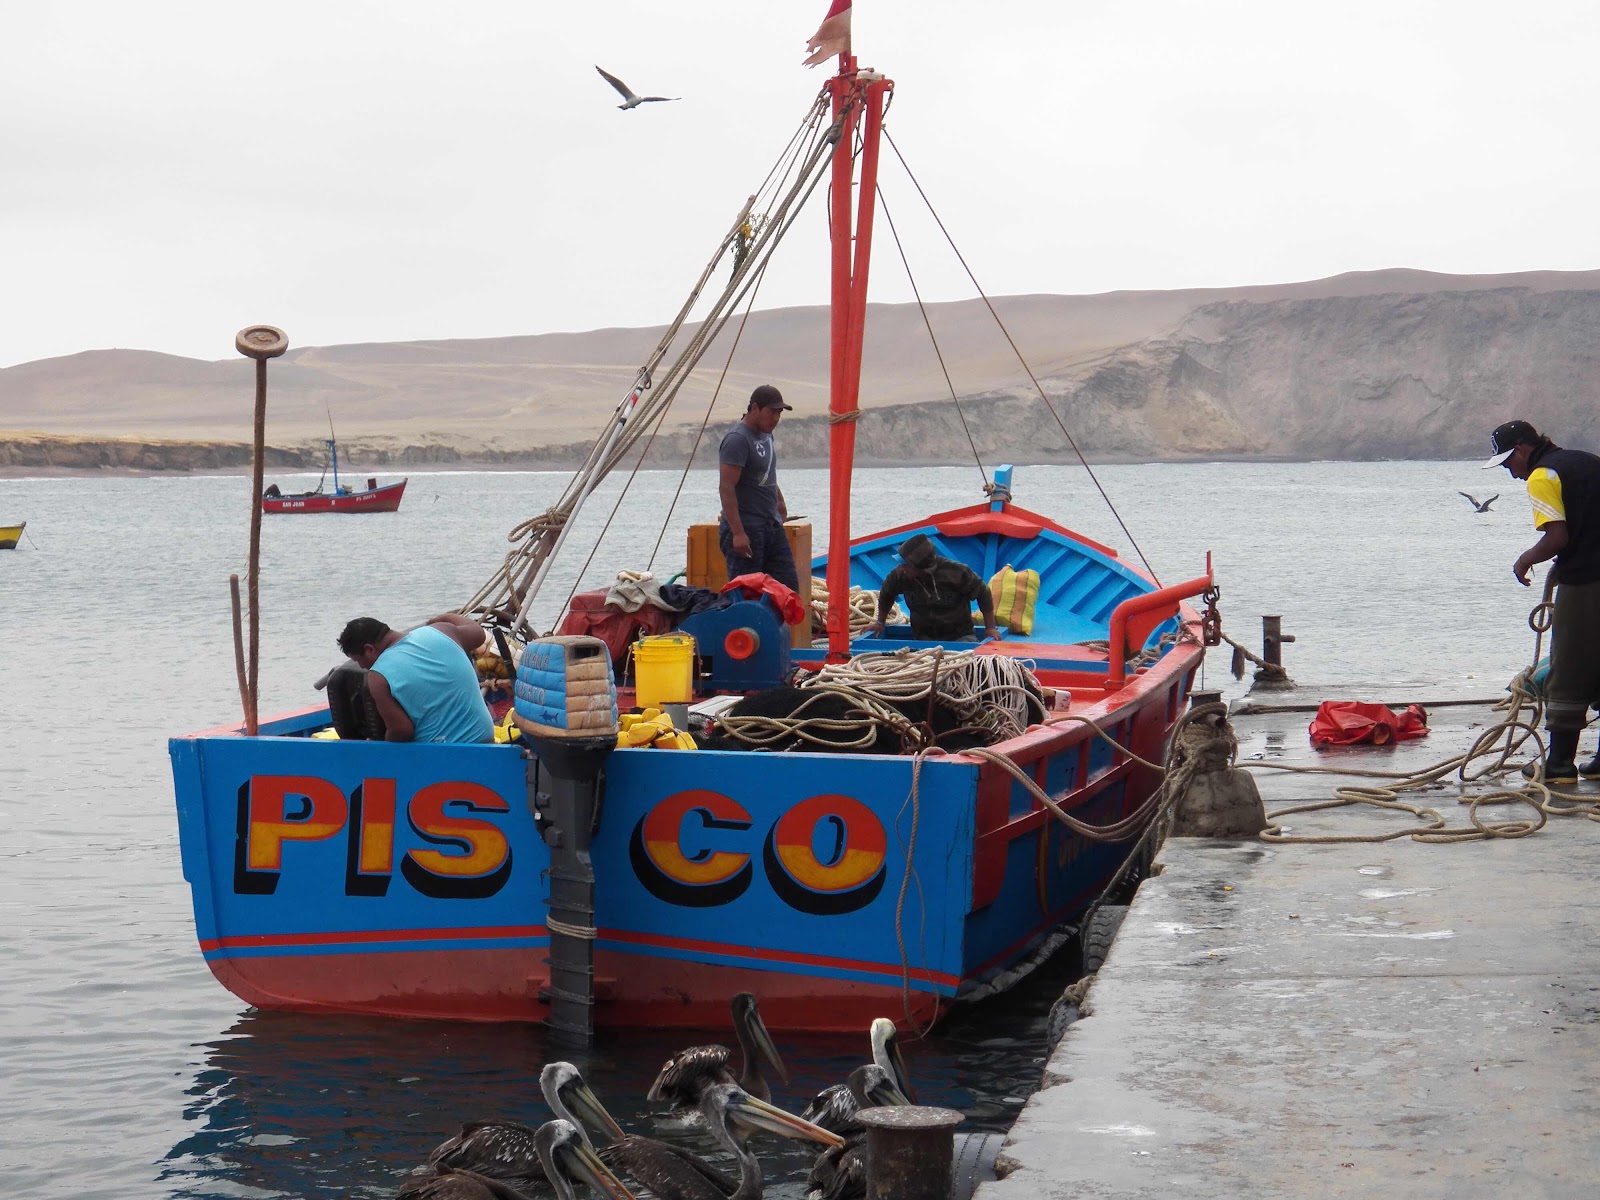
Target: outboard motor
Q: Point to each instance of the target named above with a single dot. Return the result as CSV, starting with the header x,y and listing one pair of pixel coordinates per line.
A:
x,y
566,708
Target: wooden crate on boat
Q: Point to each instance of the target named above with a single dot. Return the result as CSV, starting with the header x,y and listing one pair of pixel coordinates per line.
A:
x,y
708,569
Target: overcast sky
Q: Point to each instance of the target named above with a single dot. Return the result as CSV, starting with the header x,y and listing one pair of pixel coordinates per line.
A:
x,y
379,171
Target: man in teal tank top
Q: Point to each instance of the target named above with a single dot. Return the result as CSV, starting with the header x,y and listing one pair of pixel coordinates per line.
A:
x,y
423,682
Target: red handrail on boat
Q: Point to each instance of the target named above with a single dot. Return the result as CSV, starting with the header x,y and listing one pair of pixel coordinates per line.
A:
x,y
1135,617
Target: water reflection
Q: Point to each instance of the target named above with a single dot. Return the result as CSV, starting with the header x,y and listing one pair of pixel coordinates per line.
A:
x,y
286,1105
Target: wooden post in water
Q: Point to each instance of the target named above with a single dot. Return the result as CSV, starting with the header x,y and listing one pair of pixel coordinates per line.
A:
x,y
259,342
238,649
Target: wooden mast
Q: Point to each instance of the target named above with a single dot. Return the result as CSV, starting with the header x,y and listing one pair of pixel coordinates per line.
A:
x,y
858,102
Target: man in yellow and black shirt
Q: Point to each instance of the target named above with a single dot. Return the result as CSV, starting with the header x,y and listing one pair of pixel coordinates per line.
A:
x,y
1564,487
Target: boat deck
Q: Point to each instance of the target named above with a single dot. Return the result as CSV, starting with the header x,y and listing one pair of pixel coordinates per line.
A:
x,y
1392,1019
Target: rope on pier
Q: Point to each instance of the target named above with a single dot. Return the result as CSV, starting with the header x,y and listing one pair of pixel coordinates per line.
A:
x,y
1499,742
1267,669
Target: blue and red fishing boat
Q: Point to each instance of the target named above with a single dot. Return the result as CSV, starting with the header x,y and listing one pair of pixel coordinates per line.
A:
x,y
414,880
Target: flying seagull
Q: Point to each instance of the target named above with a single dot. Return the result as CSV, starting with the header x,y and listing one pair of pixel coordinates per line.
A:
x,y
1484,506
629,99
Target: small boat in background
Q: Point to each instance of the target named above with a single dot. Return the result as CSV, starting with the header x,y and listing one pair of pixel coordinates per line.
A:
x,y
370,499
10,535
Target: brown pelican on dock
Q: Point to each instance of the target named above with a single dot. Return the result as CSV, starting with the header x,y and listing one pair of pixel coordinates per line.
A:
x,y
835,1107
685,1076
840,1172
732,1114
508,1150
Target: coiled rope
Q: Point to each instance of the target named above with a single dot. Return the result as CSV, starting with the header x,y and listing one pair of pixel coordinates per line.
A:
x,y
991,692
994,694
1498,743
862,607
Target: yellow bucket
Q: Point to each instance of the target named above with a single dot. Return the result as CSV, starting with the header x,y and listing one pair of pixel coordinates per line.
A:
x,y
663,670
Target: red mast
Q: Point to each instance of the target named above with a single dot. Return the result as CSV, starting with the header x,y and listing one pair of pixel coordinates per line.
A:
x,y
858,103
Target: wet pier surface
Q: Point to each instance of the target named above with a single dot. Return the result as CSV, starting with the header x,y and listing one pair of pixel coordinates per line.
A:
x,y
1389,1019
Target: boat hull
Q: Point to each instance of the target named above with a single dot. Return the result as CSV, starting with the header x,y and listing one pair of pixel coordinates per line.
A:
x,y
373,500
412,880
10,535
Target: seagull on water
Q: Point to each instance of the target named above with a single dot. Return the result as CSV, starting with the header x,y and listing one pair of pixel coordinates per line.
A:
x,y
1480,506
630,100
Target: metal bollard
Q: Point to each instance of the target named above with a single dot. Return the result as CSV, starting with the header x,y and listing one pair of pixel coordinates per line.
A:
x,y
1272,676
1272,640
909,1149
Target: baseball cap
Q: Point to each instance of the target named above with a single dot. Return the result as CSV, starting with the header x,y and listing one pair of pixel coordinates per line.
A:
x,y
767,396
918,551
1507,438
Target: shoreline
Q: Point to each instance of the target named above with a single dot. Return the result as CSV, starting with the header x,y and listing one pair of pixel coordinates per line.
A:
x,y
391,471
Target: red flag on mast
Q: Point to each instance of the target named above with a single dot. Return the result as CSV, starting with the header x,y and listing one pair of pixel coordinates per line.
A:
x,y
832,36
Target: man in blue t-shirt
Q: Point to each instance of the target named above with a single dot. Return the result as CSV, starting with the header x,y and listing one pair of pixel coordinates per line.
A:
x,y
423,682
753,509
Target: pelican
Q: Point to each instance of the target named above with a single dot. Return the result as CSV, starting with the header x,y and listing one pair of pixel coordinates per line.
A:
x,y
1480,506
835,1107
630,100
508,1150
451,1184
685,1076
672,1173
840,1172
565,1151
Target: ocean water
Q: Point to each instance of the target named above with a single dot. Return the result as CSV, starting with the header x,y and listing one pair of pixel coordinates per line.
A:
x,y
130,1073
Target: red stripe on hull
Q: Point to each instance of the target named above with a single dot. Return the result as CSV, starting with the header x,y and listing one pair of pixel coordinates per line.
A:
x,y
776,956
349,937
503,985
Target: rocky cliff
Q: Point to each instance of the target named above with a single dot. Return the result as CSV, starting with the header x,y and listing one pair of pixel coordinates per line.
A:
x,y
1387,365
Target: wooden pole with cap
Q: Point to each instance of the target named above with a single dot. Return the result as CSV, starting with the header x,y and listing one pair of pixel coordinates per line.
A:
x,y
259,342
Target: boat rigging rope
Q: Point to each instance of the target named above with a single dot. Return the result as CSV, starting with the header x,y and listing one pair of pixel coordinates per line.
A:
x,y
700,433
928,323
1010,341
652,396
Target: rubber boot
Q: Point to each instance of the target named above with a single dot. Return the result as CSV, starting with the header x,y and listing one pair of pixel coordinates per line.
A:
x,y
1558,764
1591,769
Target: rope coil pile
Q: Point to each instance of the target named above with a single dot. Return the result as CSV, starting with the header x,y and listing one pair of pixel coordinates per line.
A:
x,y
863,607
992,692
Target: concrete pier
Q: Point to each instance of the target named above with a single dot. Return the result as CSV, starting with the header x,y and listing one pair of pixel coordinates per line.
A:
x,y
1391,1020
